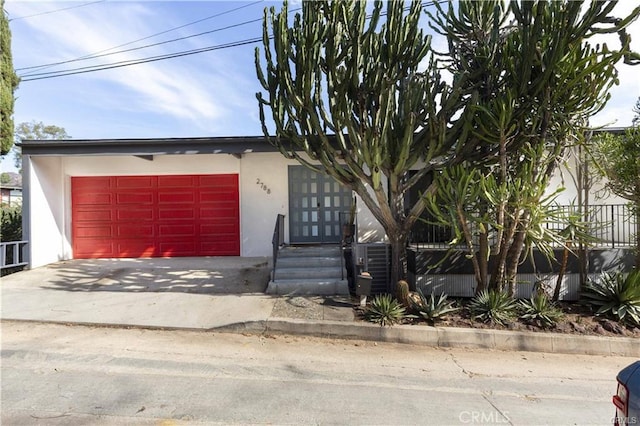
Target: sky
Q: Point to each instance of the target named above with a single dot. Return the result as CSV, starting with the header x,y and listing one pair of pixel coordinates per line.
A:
x,y
211,93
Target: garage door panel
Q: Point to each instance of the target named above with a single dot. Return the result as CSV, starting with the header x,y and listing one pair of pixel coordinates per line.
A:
x,y
151,216
135,248
95,248
176,197
140,182
178,214
177,230
177,181
94,199
175,249
94,215
218,180
219,212
218,229
97,183
138,214
135,198
135,230
217,196
95,231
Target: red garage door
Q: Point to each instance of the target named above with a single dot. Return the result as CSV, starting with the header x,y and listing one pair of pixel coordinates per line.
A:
x,y
155,216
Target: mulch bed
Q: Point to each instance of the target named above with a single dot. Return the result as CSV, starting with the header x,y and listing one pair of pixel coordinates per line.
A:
x,y
577,319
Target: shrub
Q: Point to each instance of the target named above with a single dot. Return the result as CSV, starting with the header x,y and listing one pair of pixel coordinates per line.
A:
x,y
616,295
433,309
493,306
385,310
541,310
11,223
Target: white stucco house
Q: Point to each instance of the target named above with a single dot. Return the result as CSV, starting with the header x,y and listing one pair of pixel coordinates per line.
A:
x,y
217,196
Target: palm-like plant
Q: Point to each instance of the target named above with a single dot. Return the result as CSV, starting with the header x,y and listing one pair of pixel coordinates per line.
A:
x,y
493,306
617,295
434,309
540,309
385,310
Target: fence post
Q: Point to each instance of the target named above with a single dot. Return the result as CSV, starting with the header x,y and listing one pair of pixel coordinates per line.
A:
x,y
613,228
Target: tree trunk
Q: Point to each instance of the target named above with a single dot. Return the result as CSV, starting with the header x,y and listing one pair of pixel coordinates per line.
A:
x,y
561,272
513,259
398,260
468,237
584,186
483,262
499,268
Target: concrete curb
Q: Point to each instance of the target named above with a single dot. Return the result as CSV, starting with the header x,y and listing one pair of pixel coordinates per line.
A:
x,y
446,337
443,337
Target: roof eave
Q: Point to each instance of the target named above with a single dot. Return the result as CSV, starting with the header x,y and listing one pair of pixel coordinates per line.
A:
x,y
164,146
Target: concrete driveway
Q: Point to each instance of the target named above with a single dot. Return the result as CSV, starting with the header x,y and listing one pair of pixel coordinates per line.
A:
x,y
197,292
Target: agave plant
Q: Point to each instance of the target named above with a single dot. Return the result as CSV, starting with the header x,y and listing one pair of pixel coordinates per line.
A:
x,y
385,310
493,306
540,309
433,309
617,295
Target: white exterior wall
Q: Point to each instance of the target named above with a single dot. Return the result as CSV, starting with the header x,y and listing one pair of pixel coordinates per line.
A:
x,y
369,229
263,184
564,177
49,240
264,194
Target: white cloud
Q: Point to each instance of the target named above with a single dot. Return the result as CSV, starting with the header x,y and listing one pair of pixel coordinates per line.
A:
x,y
171,87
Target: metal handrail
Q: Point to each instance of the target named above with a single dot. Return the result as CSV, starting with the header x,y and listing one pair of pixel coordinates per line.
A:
x,y
12,254
277,241
350,240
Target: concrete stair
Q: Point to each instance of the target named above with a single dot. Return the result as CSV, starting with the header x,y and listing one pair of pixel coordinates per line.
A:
x,y
309,270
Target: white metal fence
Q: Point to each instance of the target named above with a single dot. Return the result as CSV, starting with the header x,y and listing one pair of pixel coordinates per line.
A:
x,y
12,254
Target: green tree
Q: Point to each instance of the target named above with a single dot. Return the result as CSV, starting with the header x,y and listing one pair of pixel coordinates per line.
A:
x,y
8,84
537,79
618,157
11,223
347,90
35,130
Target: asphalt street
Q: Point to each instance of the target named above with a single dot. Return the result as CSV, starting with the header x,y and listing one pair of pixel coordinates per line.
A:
x,y
56,374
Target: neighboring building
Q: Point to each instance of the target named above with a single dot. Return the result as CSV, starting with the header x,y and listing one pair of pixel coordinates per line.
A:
x,y
11,189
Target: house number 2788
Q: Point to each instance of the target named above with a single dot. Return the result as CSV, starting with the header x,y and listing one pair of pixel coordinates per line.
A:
x,y
262,185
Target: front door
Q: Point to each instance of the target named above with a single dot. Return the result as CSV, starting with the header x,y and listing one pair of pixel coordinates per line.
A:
x,y
316,204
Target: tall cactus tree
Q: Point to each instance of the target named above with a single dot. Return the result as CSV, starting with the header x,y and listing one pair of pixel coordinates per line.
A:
x,y
538,77
348,91
8,84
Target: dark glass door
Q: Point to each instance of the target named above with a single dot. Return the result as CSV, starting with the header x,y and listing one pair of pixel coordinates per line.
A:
x,y
316,203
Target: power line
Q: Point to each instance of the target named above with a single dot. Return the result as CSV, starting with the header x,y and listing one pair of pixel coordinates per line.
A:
x,y
56,10
121,64
95,56
82,70
102,54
